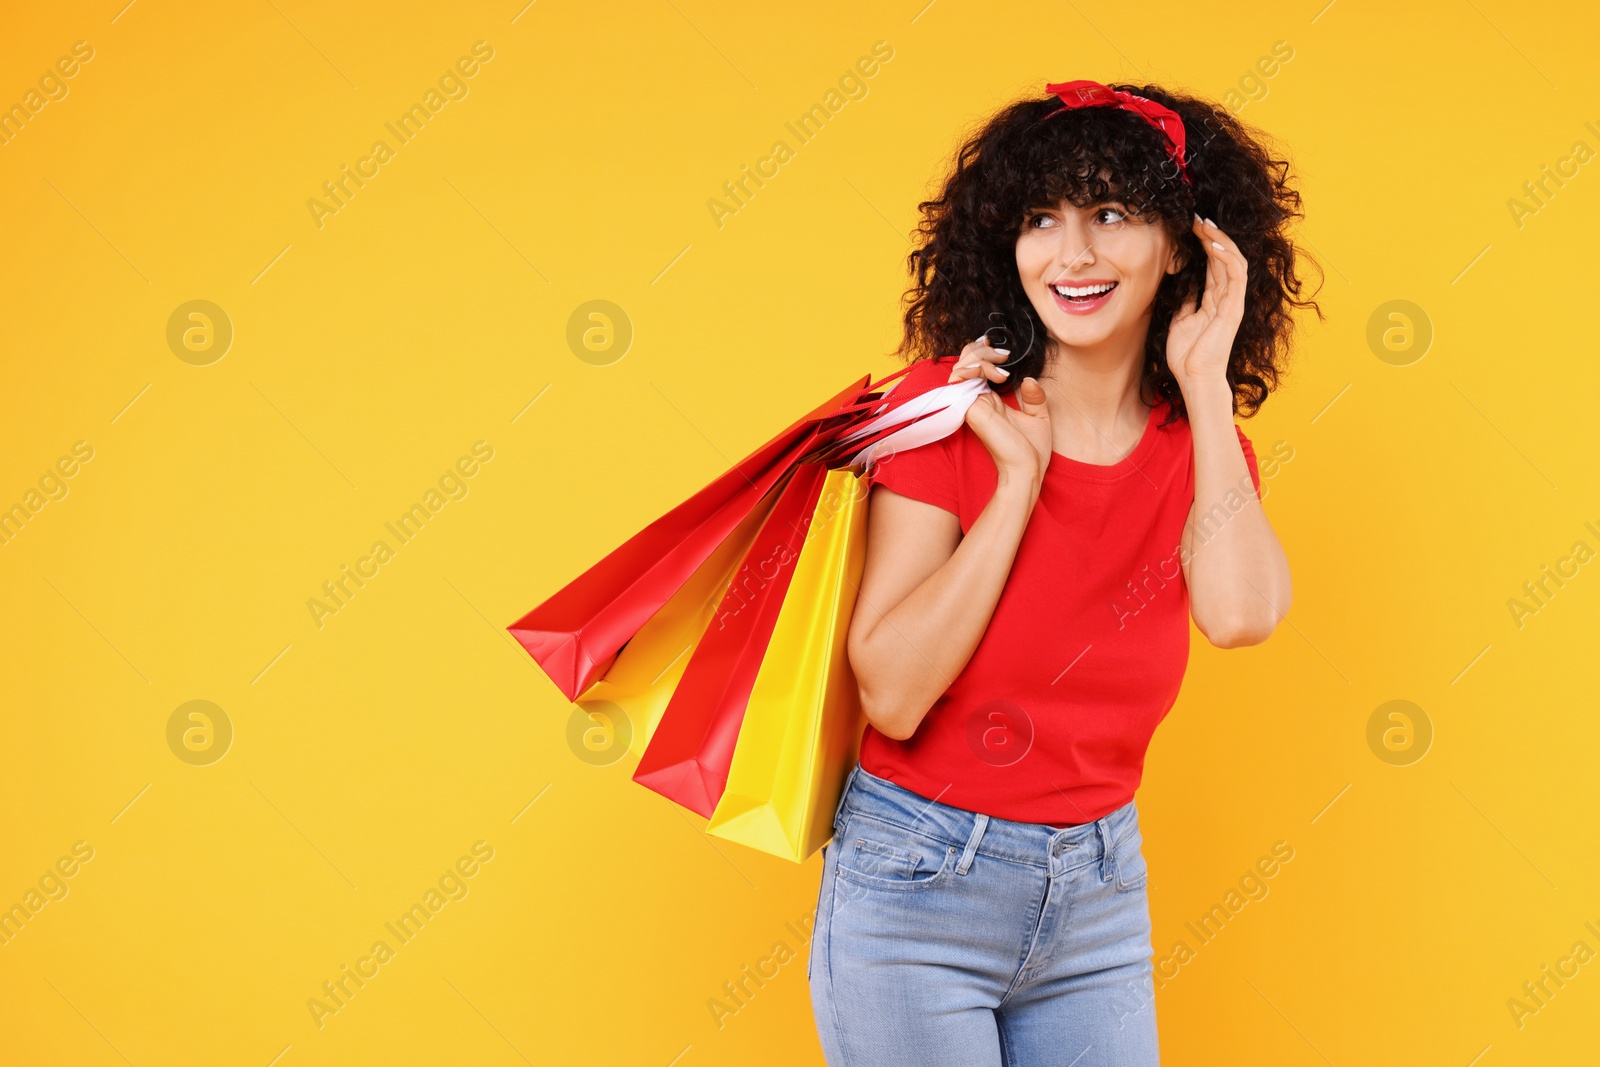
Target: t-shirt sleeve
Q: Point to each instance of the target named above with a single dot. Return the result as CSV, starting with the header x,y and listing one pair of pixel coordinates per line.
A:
x,y
926,473
1249,459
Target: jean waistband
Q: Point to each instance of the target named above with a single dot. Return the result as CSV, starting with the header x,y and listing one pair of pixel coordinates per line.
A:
x,y
1025,842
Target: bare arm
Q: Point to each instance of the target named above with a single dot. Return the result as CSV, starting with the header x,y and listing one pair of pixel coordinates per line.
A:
x,y
1234,565
927,593
1236,570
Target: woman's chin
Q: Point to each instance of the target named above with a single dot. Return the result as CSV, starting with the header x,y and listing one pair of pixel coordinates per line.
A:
x,y
1077,333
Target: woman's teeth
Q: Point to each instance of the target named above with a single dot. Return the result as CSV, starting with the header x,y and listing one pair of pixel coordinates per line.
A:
x,y
1088,292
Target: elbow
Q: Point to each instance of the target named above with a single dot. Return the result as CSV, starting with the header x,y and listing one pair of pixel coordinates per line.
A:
x,y
1237,636
892,722
896,731
899,731
883,717
1252,618
1244,629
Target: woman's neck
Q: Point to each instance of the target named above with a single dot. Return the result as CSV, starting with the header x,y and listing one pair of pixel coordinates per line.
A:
x,y
1097,410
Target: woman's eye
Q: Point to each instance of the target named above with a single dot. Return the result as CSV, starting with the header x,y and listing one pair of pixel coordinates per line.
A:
x,y
1109,216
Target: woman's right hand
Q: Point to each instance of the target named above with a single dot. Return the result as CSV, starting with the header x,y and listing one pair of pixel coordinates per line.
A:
x,y
1018,439
978,360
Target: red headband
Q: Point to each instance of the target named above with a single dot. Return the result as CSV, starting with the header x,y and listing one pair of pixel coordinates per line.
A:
x,y
1092,94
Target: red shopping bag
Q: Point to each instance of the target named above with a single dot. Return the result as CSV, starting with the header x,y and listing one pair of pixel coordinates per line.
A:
x,y
689,754
641,680
576,633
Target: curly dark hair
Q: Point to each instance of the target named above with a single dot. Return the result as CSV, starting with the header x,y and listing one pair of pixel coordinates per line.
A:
x,y
964,263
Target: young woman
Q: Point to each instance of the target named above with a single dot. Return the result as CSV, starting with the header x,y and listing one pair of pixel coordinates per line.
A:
x,y
1022,623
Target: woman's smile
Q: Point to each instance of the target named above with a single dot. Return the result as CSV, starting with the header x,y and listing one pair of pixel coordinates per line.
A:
x,y
1092,270
1083,297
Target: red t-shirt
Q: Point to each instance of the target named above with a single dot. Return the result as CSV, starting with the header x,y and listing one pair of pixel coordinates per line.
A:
x,y
1051,717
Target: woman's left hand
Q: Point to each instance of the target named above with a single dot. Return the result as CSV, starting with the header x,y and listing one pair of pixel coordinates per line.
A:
x,y
1200,339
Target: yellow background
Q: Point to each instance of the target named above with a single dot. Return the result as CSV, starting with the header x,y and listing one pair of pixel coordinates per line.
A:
x,y
430,312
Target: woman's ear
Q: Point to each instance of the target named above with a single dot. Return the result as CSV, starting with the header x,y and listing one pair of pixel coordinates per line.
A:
x,y
1178,258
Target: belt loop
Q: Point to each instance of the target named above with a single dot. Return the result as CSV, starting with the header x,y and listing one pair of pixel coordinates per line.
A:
x,y
844,795
1107,862
979,824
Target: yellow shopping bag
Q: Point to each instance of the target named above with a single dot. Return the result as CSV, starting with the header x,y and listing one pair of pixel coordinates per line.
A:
x,y
802,729
641,678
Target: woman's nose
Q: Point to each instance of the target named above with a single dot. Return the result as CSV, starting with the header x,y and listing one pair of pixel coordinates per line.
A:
x,y
1077,247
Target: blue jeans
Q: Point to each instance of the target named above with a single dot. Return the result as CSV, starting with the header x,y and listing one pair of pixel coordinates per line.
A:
x,y
944,936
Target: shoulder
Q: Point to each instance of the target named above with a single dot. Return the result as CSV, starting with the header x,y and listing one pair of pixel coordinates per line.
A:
x,y
925,374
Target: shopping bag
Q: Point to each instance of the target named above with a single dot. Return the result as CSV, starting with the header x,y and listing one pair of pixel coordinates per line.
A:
x,y
802,725
641,679
576,634
914,419
688,756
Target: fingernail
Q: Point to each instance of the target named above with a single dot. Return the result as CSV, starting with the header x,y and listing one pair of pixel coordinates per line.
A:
x,y
1003,351
1213,225
1217,245
1002,370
